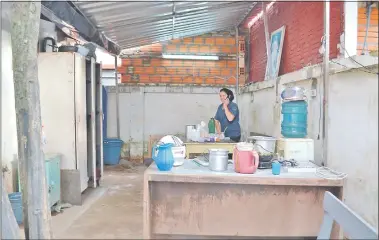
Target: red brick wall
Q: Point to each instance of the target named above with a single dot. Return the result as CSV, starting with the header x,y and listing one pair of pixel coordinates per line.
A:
x,y
304,29
158,70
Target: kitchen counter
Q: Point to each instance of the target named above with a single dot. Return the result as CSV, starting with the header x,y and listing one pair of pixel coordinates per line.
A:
x,y
202,147
191,201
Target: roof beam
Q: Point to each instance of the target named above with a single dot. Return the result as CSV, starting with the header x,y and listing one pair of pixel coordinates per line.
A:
x,y
126,38
187,33
243,18
173,19
121,21
168,37
153,25
63,10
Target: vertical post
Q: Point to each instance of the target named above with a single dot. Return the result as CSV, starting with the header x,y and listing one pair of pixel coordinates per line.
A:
x,y
117,97
173,20
237,65
351,29
325,82
24,33
267,38
365,50
101,120
247,44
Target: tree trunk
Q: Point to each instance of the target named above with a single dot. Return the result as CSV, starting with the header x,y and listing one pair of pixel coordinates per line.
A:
x,y
24,32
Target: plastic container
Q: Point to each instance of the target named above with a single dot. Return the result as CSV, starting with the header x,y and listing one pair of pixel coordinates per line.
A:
x,y
294,124
112,151
16,202
211,126
163,157
275,165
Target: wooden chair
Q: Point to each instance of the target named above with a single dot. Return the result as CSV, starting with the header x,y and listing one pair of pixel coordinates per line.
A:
x,y
352,225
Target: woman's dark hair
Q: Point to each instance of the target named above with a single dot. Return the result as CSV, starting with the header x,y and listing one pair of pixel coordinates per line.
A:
x,y
229,93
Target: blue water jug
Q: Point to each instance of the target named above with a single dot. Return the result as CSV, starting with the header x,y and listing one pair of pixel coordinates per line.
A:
x,y
162,156
294,124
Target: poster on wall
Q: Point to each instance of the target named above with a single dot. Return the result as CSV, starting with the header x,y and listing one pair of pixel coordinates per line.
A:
x,y
276,46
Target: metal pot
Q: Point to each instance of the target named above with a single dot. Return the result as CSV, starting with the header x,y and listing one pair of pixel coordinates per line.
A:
x,y
218,160
263,145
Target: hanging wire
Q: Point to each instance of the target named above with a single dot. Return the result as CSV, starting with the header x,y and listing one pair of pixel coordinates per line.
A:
x,y
356,68
352,59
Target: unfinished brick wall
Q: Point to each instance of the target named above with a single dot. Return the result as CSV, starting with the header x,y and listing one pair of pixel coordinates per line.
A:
x,y
154,69
372,35
304,29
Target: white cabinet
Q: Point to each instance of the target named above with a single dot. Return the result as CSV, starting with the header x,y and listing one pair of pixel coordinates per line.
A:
x,y
62,78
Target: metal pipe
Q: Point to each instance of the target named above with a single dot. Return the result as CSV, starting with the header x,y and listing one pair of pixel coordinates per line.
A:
x,y
173,20
267,36
237,65
117,98
368,18
325,82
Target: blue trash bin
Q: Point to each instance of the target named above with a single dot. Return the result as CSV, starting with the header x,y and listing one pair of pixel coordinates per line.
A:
x,y
112,151
16,202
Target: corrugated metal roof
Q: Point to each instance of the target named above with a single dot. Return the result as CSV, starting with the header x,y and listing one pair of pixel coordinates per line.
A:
x,y
132,24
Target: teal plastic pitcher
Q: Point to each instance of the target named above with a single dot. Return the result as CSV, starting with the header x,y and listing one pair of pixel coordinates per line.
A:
x,y
162,156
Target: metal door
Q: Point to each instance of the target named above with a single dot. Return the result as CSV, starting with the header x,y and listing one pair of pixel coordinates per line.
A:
x,y
80,120
99,118
91,114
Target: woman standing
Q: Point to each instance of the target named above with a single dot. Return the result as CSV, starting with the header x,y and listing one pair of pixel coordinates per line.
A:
x,y
227,116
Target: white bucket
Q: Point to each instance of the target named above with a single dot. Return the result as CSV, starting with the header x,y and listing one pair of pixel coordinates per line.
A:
x,y
245,146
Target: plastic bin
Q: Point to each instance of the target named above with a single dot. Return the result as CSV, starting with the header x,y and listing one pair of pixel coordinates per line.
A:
x,y
294,124
16,202
112,151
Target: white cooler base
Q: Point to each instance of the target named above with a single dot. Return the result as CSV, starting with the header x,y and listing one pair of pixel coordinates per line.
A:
x,y
299,149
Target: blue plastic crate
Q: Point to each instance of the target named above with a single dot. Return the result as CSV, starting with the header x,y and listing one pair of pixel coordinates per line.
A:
x,y
112,151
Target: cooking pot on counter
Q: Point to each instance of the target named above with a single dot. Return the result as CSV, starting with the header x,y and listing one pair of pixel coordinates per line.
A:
x,y
218,160
263,145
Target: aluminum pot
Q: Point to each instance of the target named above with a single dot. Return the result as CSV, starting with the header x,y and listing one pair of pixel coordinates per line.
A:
x,y
263,145
218,160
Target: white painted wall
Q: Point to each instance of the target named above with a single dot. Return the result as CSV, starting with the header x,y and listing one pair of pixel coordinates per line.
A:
x,y
158,110
105,58
353,139
8,113
352,128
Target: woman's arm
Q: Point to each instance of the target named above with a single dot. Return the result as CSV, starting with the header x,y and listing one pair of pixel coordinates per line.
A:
x,y
229,115
218,127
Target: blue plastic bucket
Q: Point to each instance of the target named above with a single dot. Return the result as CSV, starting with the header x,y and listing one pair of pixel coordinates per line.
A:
x,y
112,151
16,202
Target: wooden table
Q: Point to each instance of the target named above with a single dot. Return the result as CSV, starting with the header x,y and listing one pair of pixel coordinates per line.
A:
x,y
190,201
196,147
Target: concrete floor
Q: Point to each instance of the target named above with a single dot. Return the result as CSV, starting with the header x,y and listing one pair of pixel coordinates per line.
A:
x,y
111,211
